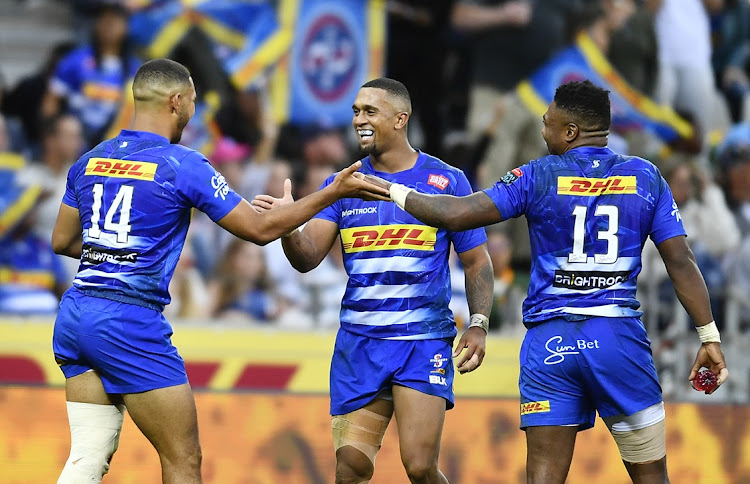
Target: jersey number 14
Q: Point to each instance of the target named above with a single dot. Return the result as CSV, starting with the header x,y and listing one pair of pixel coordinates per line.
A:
x,y
123,201
610,235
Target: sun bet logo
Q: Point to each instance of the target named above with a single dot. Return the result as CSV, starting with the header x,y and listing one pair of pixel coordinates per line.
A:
x,y
592,187
388,237
139,170
535,407
438,181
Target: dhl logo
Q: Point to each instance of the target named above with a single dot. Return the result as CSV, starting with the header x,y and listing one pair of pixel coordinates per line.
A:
x,y
593,187
388,237
535,407
139,170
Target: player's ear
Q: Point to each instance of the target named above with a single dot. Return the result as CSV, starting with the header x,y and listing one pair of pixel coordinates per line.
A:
x,y
571,132
174,102
401,119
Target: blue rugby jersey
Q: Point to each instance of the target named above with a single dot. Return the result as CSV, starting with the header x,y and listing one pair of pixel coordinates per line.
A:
x,y
134,195
589,212
399,279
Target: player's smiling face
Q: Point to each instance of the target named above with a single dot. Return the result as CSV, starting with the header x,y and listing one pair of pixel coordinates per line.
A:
x,y
374,118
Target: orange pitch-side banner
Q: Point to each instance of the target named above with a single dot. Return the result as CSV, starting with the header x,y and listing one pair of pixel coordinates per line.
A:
x,y
257,438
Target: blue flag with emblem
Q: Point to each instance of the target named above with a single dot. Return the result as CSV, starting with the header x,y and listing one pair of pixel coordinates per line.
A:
x,y
337,46
631,110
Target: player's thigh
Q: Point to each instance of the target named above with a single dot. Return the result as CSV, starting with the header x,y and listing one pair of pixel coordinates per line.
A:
x,y
549,452
168,418
87,388
420,418
358,436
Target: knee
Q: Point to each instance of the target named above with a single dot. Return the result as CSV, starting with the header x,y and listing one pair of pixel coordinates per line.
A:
x,y
188,456
420,469
352,466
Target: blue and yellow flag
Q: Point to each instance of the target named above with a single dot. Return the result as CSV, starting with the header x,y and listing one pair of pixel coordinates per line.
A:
x,y
337,46
631,110
246,35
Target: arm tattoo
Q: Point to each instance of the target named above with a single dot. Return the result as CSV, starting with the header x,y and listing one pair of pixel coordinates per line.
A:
x,y
480,282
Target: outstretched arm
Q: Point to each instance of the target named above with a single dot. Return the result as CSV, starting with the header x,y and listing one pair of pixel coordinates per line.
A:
x,y
443,211
692,292
479,285
306,248
263,227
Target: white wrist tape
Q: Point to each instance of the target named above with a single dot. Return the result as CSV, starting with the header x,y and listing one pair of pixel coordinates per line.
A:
x,y
399,193
480,320
709,333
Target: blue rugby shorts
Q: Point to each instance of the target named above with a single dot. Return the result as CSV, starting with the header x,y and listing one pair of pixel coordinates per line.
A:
x,y
128,346
571,370
362,368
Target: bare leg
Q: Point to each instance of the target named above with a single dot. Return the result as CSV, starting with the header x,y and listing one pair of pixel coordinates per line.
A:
x,y
167,417
649,472
420,420
549,451
352,465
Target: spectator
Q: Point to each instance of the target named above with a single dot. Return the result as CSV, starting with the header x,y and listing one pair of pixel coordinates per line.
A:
x,y
62,141
25,99
497,28
241,289
633,49
417,35
686,79
90,80
730,35
507,295
32,279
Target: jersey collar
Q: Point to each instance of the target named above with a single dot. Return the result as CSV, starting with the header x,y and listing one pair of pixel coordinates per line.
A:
x,y
592,150
142,135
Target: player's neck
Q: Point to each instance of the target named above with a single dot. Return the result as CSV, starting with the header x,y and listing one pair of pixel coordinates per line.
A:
x,y
395,160
152,124
594,141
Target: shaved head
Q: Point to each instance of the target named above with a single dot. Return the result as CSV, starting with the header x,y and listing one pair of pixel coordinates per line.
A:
x,y
158,79
398,95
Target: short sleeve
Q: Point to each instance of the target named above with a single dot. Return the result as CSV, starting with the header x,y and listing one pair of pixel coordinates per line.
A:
x,y
333,211
467,239
69,197
201,186
667,221
512,194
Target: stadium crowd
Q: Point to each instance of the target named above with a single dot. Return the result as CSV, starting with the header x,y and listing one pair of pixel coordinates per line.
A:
x,y
463,62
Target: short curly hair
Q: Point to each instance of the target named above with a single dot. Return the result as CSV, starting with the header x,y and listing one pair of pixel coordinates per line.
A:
x,y
586,102
392,87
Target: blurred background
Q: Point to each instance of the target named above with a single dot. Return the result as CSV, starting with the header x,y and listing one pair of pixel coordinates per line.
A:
x,y
275,83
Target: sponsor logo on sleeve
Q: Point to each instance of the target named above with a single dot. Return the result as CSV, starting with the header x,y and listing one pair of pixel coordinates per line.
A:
x,y
138,170
220,185
511,176
535,407
388,237
593,187
438,181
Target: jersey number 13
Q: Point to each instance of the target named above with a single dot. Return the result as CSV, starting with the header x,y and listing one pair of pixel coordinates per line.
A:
x,y
610,234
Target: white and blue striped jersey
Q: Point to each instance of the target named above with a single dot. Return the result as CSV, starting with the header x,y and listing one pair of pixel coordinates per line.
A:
x,y
134,195
399,278
589,212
